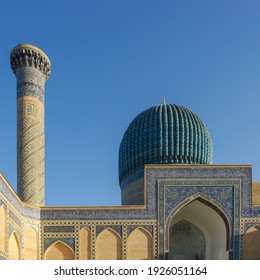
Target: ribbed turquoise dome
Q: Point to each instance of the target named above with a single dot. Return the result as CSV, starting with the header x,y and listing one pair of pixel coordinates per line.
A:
x,y
165,133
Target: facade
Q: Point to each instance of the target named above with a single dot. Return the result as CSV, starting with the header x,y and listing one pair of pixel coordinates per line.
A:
x,y
176,204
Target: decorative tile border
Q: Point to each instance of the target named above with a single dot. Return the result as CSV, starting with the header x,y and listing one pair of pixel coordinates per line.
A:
x,y
122,227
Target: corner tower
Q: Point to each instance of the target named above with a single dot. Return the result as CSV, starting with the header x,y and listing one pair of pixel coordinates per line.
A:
x,y
32,68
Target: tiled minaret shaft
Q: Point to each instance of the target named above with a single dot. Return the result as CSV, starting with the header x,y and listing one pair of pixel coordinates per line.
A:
x,y
31,67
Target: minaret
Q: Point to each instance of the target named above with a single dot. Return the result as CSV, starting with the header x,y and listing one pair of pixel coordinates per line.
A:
x,y
32,68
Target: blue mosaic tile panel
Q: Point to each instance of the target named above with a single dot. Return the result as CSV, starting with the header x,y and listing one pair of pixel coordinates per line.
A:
x,y
30,82
30,89
96,214
223,195
149,228
59,229
117,229
15,218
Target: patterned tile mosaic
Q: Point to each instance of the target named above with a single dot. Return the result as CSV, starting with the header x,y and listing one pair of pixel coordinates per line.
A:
x,y
49,241
117,229
167,188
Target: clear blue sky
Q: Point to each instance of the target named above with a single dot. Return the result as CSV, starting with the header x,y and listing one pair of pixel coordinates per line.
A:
x,y
113,59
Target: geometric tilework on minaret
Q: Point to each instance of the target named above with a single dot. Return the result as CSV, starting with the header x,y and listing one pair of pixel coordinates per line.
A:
x,y
31,67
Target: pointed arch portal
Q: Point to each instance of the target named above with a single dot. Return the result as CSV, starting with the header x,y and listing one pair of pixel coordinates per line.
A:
x,y
108,245
59,251
198,230
140,245
30,244
14,247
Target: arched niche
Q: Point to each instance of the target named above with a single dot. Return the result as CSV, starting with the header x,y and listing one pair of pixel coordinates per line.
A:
x,y
187,242
59,251
85,244
30,244
251,244
2,228
212,222
140,245
14,248
108,245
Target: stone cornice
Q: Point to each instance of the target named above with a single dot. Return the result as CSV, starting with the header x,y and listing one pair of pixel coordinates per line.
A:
x,y
25,55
